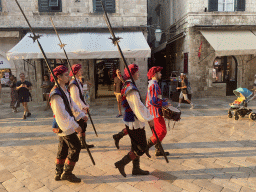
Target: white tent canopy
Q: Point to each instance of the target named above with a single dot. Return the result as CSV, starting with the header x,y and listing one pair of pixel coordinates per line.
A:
x,y
4,64
231,42
84,45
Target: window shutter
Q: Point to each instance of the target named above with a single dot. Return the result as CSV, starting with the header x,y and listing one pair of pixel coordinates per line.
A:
x,y
97,6
240,5
109,6
53,3
0,5
212,5
43,5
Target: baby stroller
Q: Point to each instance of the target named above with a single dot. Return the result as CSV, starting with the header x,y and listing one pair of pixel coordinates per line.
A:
x,y
239,106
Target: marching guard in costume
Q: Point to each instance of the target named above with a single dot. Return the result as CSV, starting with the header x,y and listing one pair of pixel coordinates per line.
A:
x,y
136,114
78,97
66,116
154,102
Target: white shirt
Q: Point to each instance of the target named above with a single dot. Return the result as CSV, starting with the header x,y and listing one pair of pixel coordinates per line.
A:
x,y
139,109
75,95
65,122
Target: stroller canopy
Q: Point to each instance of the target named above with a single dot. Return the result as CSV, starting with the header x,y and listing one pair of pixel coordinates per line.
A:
x,y
245,92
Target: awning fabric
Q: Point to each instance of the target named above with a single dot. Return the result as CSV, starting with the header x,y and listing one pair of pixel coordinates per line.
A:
x,y
231,42
9,34
84,45
4,64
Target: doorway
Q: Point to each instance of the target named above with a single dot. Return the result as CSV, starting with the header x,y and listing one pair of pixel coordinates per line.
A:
x,y
231,75
104,80
225,71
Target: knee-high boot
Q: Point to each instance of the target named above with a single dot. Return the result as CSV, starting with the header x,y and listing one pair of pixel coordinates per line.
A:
x,y
158,151
121,164
59,168
83,142
68,175
119,136
149,144
136,168
59,171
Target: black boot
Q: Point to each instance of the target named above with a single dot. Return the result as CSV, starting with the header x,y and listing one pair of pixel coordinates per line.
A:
x,y
136,168
68,175
59,171
121,164
117,138
83,143
149,144
158,151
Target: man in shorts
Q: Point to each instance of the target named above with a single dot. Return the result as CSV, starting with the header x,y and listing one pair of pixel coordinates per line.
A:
x,y
118,82
184,91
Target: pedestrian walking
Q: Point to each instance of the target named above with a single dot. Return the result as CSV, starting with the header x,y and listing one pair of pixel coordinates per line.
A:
x,y
136,114
118,83
184,91
46,86
23,87
154,102
78,98
66,116
14,94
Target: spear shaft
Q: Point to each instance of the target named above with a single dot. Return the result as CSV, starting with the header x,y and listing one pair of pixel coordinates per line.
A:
x,y
35,38
62,47
115,41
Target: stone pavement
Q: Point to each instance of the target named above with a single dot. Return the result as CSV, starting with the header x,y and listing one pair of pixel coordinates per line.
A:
x,y
209,152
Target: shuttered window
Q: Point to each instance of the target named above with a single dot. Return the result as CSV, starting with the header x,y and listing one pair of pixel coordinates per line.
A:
x,y
49,5
226,5
109,5
240,5
213,5
53,3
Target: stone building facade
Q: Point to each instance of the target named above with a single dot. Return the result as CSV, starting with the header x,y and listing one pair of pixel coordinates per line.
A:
x,y
68,17
211,73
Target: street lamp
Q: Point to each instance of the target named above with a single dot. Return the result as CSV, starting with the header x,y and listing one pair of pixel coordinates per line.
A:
x,y
158,33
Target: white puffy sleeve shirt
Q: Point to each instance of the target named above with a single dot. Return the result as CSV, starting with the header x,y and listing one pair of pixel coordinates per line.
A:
x,y
75,95
139,109
65,122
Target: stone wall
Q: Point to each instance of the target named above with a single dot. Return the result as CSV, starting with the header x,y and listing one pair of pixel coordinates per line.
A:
x,y
200,70
74,14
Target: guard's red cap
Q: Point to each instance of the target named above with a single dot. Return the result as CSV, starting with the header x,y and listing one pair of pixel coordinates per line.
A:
x,y
58,71
133,68
75,68
153,70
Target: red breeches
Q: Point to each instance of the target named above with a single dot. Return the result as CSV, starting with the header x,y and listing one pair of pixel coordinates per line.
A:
x,y
160,128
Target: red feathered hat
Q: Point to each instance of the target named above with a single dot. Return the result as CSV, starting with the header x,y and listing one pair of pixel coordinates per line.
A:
x,y
133,69
153,70
75,69
58,71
